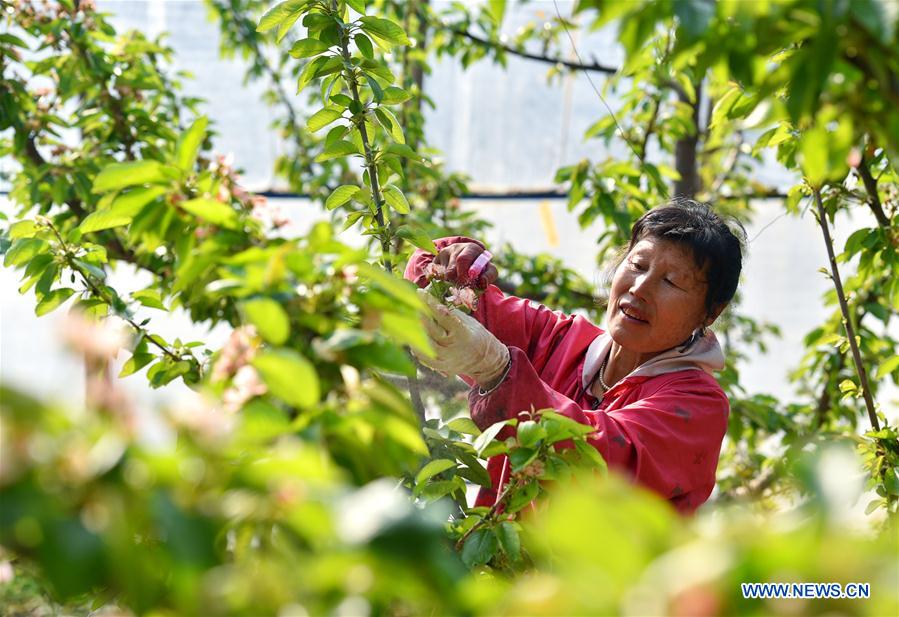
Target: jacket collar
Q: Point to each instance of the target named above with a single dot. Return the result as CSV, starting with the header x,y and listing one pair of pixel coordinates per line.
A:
x,y
704,354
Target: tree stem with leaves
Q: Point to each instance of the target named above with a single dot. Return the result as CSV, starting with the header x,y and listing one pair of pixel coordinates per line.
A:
x,y
98,293
844,307
370,163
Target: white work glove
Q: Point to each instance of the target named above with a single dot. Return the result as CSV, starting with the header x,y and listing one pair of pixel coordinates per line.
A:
x,y
462,345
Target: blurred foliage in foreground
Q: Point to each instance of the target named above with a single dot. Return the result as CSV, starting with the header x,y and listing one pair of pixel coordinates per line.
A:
x,y
191,522
300,479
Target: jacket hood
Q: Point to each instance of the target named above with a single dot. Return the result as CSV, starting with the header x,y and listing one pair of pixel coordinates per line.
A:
x,y
704,354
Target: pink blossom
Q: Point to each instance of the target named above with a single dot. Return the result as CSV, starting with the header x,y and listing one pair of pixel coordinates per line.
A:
x,y
463,297
99,339
6,572
350,274
435,270
238,351
245,385
198,415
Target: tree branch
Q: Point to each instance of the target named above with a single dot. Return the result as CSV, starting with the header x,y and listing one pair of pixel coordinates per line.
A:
x,y
844,307
685,149
870,183
595,67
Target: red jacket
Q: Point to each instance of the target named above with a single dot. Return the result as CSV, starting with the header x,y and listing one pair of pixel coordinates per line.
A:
x,y
662,424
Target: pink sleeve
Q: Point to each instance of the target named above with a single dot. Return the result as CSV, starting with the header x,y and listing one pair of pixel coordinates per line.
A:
x,y
668,441
527,325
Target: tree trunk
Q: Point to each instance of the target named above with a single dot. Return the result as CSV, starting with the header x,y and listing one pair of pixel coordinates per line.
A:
x,y
685,151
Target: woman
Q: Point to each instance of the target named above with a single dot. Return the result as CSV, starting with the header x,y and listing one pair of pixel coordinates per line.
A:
x,y
645,382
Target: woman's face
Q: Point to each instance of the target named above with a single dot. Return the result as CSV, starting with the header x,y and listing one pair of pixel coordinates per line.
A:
x,y
657,298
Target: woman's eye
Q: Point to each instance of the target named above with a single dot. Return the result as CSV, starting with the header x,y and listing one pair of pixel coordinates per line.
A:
x,y
637,266
672,283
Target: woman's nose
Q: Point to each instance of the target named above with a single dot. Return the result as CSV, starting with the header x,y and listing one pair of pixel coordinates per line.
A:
x,y
640,284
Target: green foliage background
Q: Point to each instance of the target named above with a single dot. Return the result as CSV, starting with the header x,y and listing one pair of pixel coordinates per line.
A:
x,y
305,477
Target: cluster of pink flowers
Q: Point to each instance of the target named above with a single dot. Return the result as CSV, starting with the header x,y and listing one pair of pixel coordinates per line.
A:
x,y
234,360
99,339
270,215
463,297
267,213
436,271
238,351
534,470
200,416
245,385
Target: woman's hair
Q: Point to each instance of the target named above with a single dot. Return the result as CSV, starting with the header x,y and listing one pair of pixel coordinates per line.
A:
x,y
717,244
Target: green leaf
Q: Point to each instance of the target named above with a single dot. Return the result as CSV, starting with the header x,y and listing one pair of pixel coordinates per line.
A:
x,y
496,9
813,148
336,149
289,376
150,297
847,386
888,367
891,481
24,249
341,195
464,425
479,548
509,541
122,211
433,468
269,317
377,92
357,5
23,229
417,237
522,457
386,32
364,45
396,199
724,105
390,124
394,95
433,491
121,175
522,497
189,144
489,434
590,455
285,26
693,17
52,300
212,211
135,363
530,433
306,48
311,70
278,13
402,150
322,118
405,330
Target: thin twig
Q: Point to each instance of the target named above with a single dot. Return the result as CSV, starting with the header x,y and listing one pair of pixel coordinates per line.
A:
x,y
844,307
864,172
581,66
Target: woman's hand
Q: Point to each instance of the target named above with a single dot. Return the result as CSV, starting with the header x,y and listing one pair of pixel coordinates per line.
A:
x,y
458,259
462,345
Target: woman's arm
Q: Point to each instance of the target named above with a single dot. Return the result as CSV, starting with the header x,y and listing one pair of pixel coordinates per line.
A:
x,y
516,322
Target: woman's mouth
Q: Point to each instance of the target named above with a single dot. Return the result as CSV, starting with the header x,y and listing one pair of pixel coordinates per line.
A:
x,y
631,316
